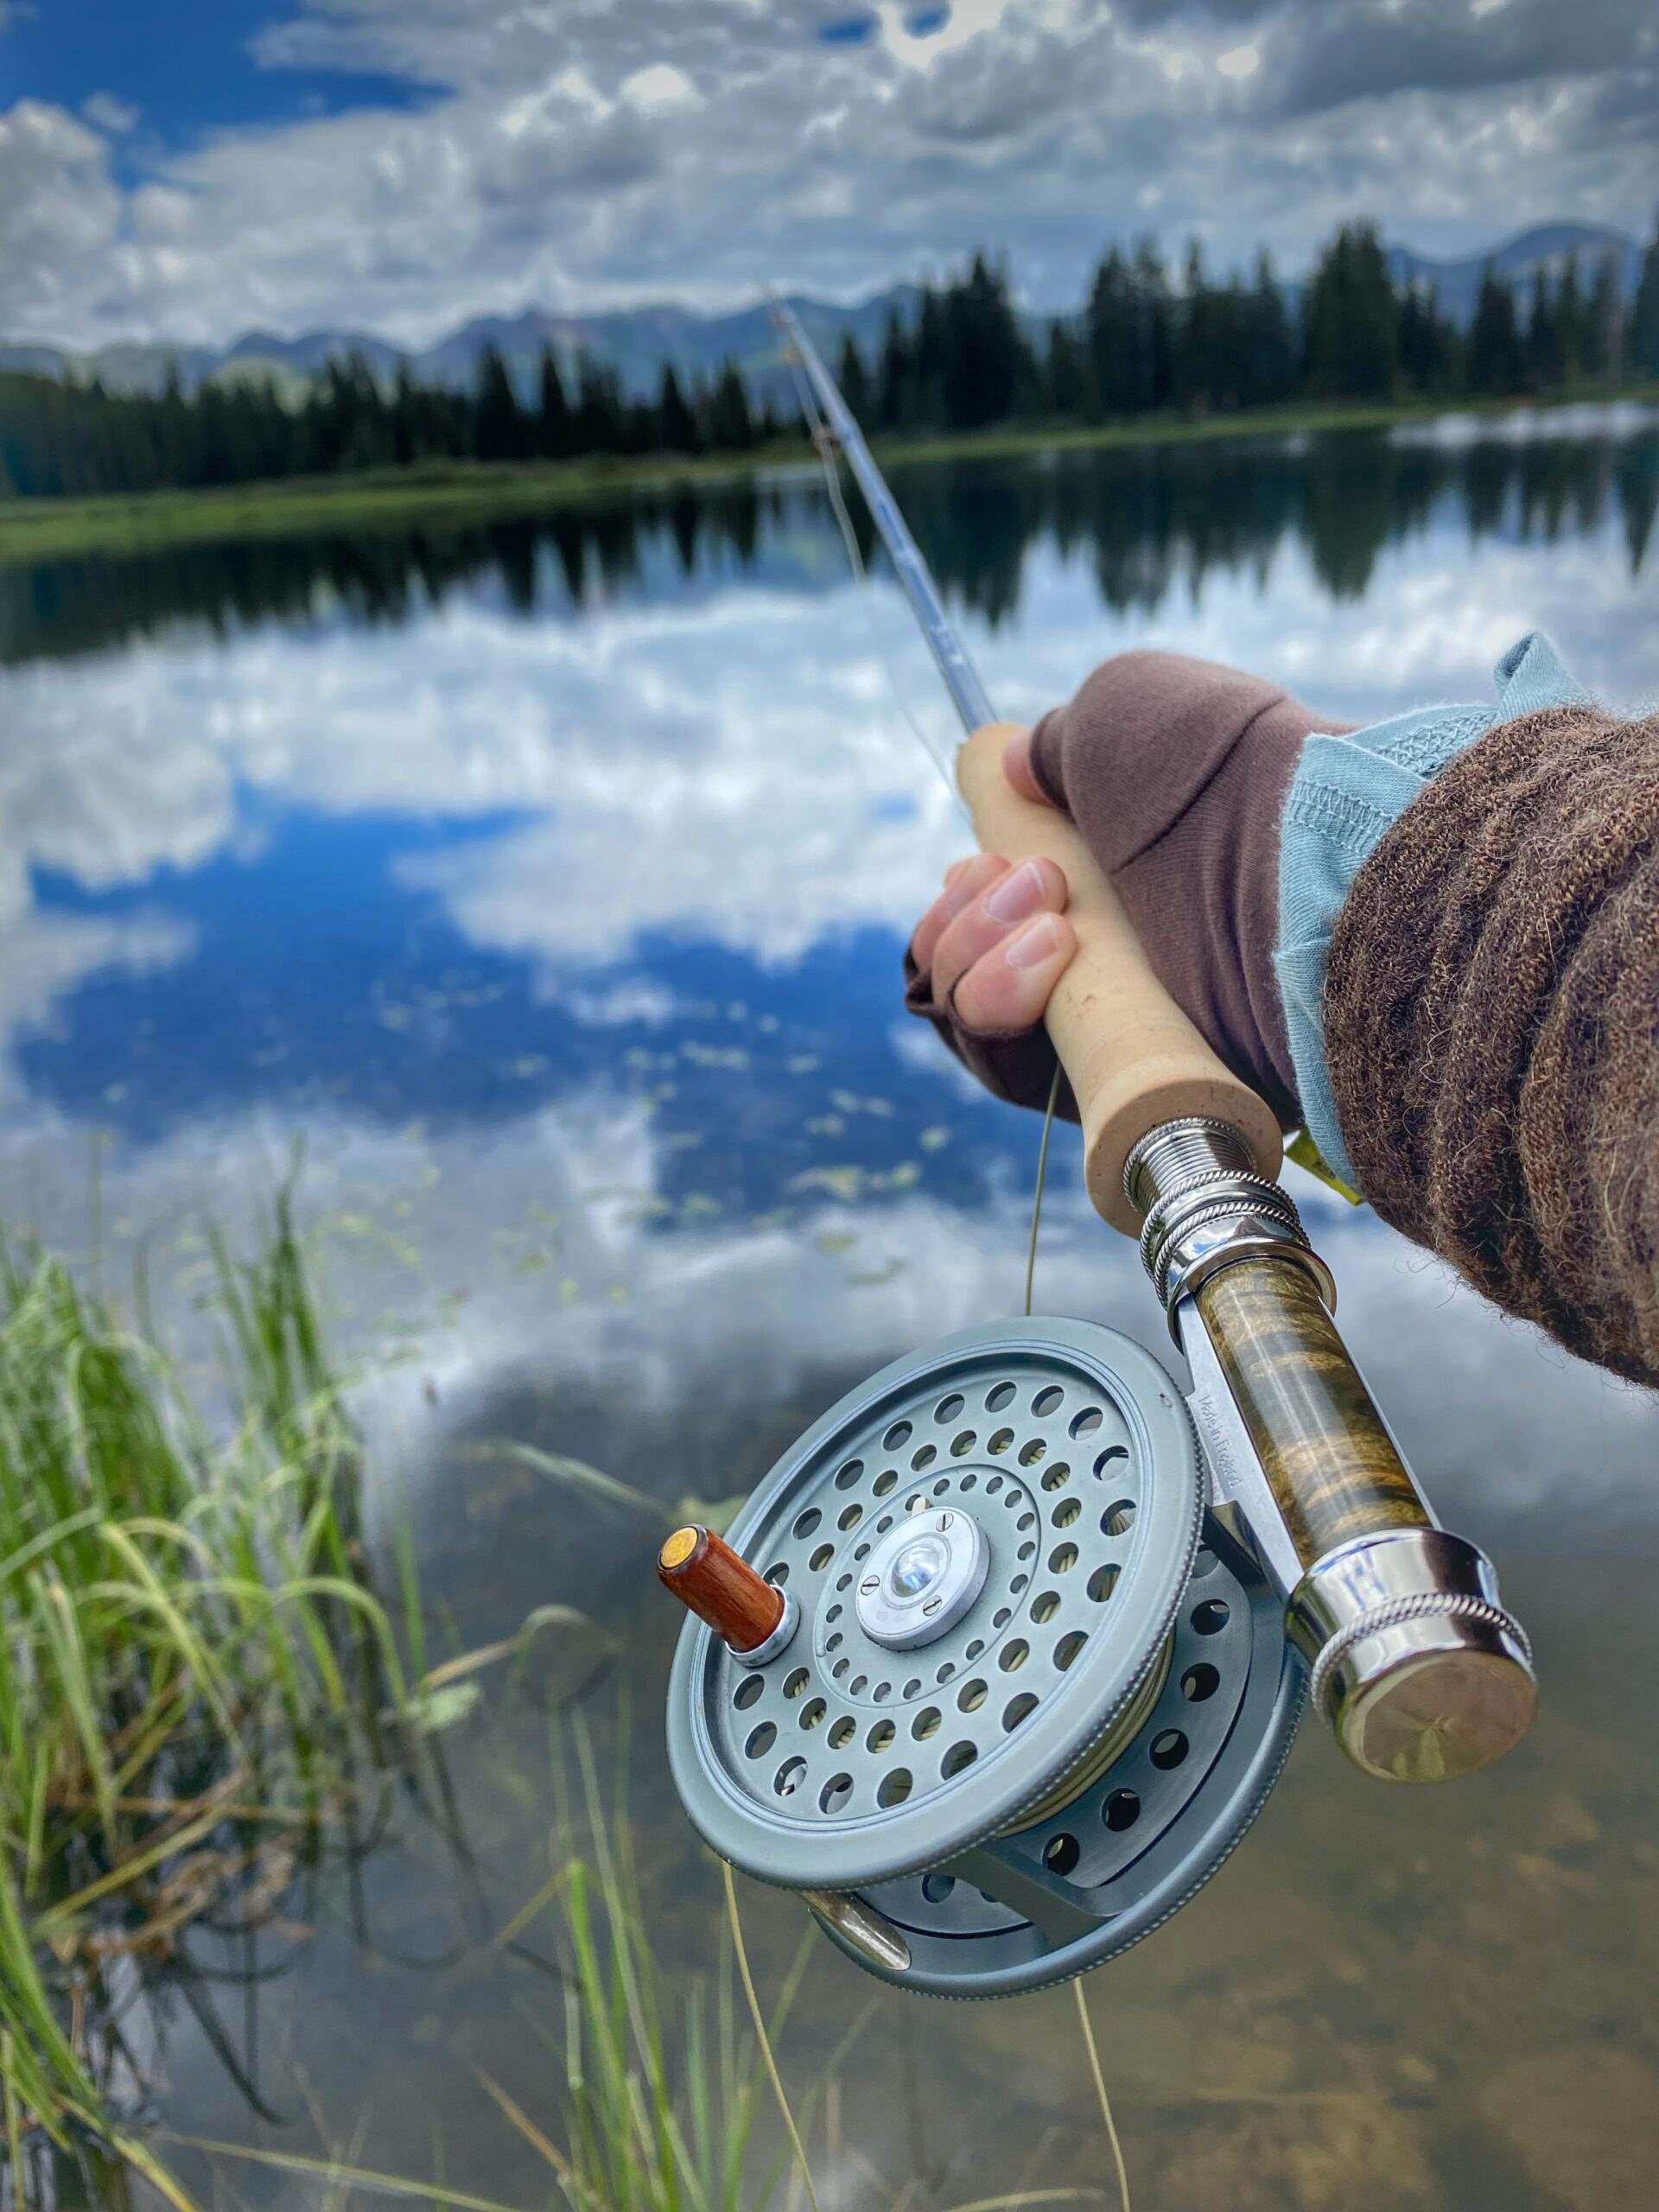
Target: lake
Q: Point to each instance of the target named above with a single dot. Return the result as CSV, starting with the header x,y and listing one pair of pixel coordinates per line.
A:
x,y
548,881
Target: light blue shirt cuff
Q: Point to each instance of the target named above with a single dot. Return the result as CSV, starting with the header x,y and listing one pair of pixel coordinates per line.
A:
x,y
1346,792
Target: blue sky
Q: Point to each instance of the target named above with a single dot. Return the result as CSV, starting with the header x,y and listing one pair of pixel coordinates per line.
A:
x,y
187,67
188,169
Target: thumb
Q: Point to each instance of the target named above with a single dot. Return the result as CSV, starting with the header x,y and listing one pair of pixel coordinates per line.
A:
x,y
1017,768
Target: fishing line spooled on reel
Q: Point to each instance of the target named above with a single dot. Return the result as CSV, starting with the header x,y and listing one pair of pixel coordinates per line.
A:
x,y
1004,1655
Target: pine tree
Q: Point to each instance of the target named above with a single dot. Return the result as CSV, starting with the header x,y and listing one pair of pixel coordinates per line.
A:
x,y
600,422
1494,354
1270,374
1062,387
1643,335
1570,308
1427,343
1196,324
1604,324
1545,364
1107,339
896,378
852,380
498,424
677,427
731,427
1350,319
405,433
1151,330
554,430
978,349
927,358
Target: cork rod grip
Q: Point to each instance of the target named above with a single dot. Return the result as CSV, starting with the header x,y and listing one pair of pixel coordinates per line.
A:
x,y
1134,1058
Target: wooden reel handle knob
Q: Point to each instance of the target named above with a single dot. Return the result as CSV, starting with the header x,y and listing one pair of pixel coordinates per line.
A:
x,y
1134,1058
720,1586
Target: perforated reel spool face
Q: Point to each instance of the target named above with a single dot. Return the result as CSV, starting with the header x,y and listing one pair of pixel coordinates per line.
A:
x,y
1031,1779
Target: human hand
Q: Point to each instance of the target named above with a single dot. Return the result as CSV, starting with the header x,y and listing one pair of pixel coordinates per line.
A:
x,y
1175,772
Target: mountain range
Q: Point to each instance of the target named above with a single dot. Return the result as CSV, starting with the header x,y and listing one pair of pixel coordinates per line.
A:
x,y
637,342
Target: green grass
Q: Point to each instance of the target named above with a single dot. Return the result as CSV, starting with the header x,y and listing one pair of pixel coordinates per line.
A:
x,y
455,492
36,530
659,2098
193,1661
655,2084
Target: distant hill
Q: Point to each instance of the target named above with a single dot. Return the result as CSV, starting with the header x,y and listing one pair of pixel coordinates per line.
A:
x,y
636,341
1456,283
639,340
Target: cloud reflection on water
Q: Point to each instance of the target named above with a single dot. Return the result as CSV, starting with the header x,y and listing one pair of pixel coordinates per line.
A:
x,y
516,874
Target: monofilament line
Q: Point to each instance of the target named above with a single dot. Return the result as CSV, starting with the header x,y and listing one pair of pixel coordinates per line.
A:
x,y
1088,2027
1042,1179
1083,2005
756,2015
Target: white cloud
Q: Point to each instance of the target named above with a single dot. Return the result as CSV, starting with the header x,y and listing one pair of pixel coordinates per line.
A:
x,y
660,86
108,113
584,155
60,217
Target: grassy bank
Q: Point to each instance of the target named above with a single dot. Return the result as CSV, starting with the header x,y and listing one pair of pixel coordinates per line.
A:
x,y
204,1696
198,1678
38,530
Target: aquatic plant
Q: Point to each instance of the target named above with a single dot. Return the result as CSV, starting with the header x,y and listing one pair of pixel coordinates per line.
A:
x,y
654,2086
655,2117
194,1664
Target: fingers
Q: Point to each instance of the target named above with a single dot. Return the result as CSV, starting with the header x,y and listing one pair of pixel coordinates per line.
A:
x,y
990,916
1016,767
1008,987
963,881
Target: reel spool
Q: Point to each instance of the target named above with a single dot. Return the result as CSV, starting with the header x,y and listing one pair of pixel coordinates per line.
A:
x,y
1014,1693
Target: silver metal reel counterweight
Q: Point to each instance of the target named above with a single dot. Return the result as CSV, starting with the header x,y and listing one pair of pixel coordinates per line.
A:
x,y
1035,1691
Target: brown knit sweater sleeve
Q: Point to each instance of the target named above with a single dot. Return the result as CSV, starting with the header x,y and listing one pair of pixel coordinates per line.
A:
x,y
1491,1024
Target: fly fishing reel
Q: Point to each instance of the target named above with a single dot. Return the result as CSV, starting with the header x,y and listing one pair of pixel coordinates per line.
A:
x,y
996,1670
980,1671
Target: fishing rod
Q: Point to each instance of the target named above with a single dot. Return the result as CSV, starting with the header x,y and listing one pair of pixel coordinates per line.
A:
x,y
1005,1654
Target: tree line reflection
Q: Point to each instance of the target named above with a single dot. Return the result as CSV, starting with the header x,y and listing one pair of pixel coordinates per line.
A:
x,y
1151,520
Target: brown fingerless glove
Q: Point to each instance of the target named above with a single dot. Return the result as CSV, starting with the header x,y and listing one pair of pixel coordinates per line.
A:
x,y
1176,772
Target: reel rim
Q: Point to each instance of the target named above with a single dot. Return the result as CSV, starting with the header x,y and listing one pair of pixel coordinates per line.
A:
x,y
871,1848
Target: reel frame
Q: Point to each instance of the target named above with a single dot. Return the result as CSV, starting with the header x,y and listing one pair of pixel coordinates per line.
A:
x,y
1116,1703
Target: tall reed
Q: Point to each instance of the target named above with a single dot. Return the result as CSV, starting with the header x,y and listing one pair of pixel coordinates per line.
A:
x,y
193,1661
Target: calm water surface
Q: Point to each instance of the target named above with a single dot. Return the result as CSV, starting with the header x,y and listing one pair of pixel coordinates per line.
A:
x,y
549,881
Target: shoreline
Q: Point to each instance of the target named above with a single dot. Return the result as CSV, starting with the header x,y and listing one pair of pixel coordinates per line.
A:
x,y
461,491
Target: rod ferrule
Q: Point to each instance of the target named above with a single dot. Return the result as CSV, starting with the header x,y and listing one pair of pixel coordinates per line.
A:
x,y
1204,1207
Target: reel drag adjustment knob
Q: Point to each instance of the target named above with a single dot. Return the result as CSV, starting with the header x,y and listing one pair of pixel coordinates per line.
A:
x,y
753,1618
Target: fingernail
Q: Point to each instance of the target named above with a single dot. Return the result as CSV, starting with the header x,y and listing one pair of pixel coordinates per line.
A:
x,y
1017,896
962,886
1031,947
